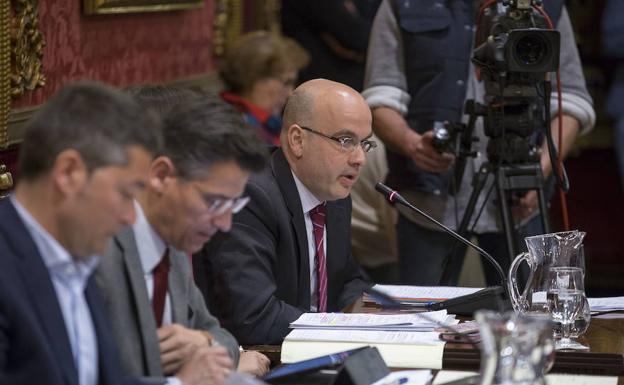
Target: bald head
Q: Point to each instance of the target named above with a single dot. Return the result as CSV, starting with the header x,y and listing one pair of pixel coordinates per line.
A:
x,y
317,96
320,118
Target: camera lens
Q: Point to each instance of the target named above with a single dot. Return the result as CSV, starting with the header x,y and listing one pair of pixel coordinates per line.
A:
x,y
531,49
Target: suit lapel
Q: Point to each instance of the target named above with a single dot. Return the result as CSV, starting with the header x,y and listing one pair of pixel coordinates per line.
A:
x,y
108,368
38,283
336,236
144,312
176,288
284,178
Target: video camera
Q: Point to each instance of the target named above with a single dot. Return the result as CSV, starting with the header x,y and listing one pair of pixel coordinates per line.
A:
x,y
515,51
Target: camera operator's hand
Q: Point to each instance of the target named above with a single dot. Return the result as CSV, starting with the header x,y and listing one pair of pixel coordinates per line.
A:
x,y
421,150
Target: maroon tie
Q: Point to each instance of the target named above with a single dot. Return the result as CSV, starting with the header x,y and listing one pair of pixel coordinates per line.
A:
x,y
160,274
317,215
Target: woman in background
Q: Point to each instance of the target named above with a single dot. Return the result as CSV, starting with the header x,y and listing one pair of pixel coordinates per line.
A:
x,y
259,72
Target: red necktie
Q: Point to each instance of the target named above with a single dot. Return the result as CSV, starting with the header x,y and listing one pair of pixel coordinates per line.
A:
x,y
160,274
317,215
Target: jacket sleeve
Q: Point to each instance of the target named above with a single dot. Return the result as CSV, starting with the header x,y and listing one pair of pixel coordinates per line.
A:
x,y
240,266
385,84
576,101
355,279
201,319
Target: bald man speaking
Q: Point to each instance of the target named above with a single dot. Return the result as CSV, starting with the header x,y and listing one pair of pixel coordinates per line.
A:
x,y
288,251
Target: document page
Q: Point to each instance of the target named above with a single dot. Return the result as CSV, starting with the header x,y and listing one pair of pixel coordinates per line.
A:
x,y
606,303
419,321
424,293
446,376
381,337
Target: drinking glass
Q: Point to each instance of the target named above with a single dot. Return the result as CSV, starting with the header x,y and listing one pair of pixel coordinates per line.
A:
x,y
565,296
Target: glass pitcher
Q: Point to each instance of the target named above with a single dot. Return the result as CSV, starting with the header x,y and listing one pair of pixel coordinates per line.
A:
x,y
564,249
516,349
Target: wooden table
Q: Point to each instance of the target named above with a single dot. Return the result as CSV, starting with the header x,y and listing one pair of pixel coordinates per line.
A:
x,y
605,338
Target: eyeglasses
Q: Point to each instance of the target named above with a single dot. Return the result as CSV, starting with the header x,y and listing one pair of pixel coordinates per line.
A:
x,y
220,206
347,143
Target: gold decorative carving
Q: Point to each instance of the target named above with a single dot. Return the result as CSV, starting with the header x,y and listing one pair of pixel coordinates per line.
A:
x,y
272,11
92,7
6,181
220,27
27,48
5,68
229,22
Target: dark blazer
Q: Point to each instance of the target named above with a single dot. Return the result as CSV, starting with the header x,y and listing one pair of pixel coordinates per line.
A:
x,y
256,278
120,277
34,345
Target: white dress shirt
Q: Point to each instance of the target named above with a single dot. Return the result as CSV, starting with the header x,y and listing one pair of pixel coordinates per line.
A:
x,y
308,202
69,278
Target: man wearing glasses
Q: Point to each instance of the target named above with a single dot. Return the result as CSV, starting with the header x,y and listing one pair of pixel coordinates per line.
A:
x,y
194,187
289,249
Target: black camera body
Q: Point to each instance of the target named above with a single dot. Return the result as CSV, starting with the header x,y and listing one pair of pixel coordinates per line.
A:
x,y
516,56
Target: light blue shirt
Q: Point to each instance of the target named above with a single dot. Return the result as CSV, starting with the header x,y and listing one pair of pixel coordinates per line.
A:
x,y
69,278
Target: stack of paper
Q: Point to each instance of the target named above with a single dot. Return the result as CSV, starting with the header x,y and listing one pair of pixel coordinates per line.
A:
x,y
606,304
422,322
422,295
403,340
398,349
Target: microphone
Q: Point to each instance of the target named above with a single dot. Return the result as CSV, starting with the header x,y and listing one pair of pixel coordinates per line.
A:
x,y
466,304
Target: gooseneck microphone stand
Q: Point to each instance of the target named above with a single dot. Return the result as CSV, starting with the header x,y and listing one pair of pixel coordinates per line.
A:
x,y
496,298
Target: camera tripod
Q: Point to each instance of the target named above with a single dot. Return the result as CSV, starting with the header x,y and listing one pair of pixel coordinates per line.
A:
x,y
509,178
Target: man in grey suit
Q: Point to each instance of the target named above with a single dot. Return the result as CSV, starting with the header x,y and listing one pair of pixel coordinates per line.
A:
x,y
194,187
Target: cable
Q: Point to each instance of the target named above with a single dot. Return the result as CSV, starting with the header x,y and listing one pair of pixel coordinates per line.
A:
x,y
559,169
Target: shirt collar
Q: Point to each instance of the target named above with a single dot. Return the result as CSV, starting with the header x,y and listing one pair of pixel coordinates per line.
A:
x,y
308,200
150,245
55,257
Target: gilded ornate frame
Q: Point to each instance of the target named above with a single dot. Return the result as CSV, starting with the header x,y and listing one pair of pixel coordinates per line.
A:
x,y
21,53
92,7
229,20
5,69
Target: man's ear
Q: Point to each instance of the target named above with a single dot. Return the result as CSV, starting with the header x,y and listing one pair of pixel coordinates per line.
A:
x,y
296,140
161,173
69,172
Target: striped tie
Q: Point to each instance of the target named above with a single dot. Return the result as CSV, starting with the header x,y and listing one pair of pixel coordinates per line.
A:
x,y
317,215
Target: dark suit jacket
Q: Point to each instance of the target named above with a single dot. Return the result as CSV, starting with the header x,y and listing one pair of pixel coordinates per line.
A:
x,y
256,278
34,346
120,277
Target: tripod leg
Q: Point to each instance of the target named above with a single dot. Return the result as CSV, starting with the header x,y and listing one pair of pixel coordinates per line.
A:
x,y
451,265
502,189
